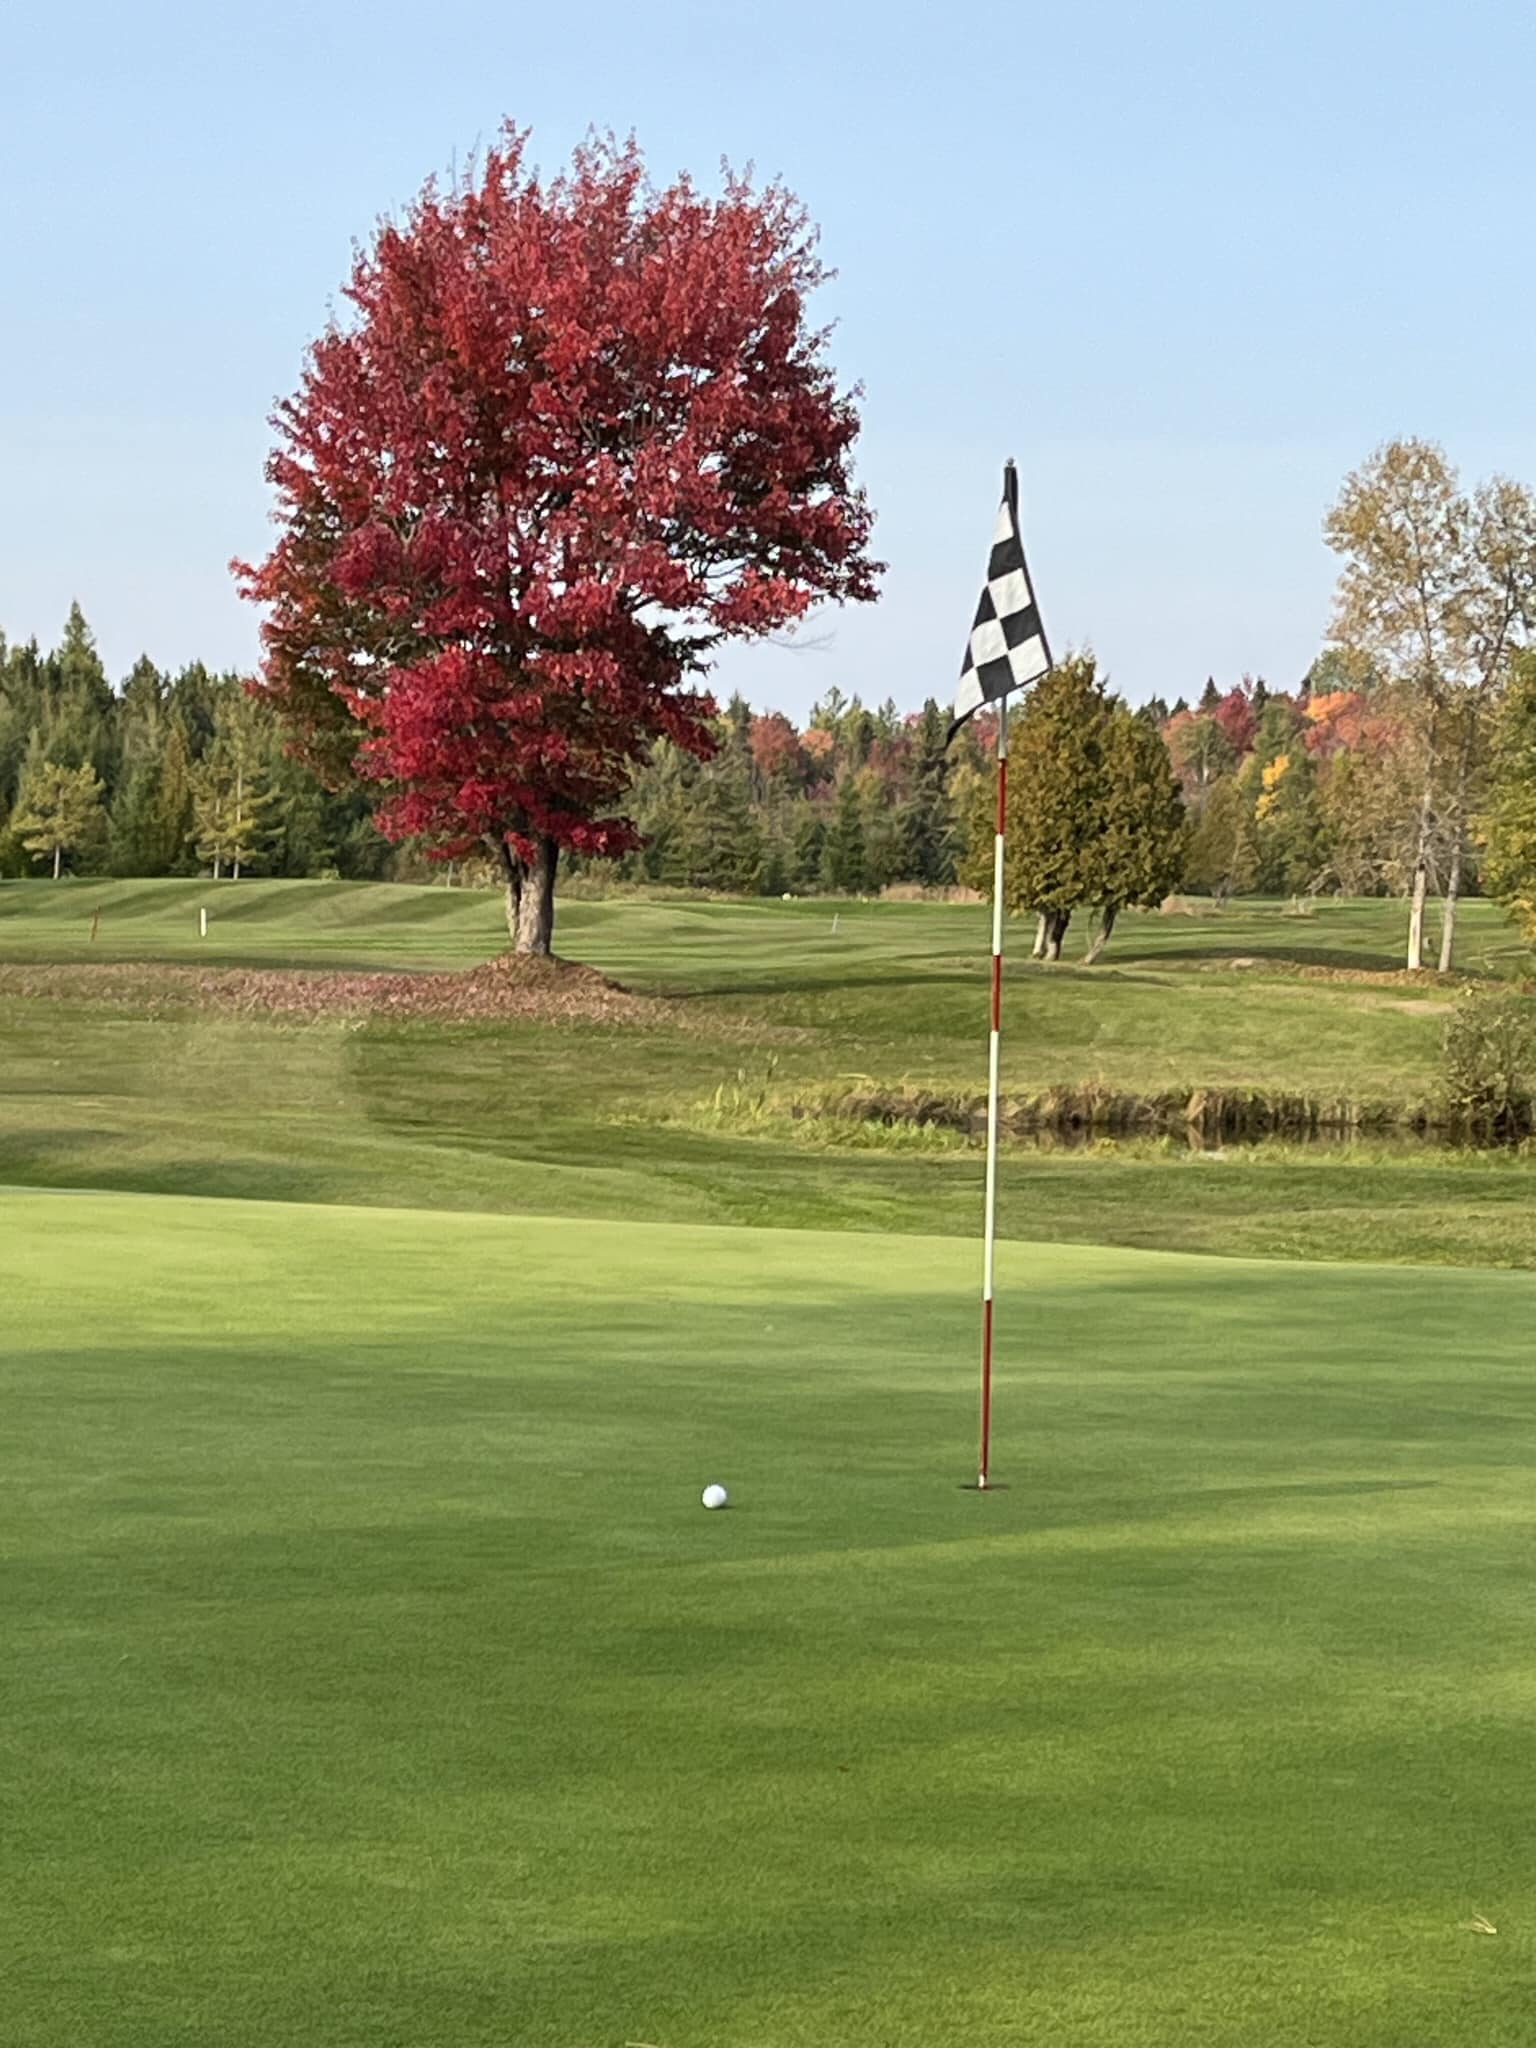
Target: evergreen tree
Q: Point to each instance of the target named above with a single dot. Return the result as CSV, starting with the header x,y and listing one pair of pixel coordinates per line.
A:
x,y
1056,802
883,839
78,667
1287,811
807,845
173,821
717,844
140,714
1094,810
21,712
1144,839
232,807
77,711
133,837
843,855
193,695
1222,859
927,818
58,812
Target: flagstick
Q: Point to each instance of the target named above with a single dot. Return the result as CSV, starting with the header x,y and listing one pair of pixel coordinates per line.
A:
x,y
983,1477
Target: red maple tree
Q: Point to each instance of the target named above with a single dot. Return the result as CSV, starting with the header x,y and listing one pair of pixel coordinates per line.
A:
x,y
571,438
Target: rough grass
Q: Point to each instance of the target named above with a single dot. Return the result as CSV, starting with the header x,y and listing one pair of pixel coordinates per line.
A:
x,y
373,1676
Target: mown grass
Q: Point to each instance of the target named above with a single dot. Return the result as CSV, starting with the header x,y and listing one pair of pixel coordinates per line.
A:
x,y
372,1675
772,1004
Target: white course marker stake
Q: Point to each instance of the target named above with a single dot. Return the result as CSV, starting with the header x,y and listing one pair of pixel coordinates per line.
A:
x,y
202,924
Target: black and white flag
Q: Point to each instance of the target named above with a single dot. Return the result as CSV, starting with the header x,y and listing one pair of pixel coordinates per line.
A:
x,y
1007,649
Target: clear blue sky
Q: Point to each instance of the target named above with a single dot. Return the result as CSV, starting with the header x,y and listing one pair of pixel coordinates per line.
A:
x,y
1187,263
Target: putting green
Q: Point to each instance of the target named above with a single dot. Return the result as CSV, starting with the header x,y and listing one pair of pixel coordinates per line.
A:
x,y
373,1675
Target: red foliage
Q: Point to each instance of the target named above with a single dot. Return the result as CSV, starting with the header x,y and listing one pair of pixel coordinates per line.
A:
x,y
575,435
776,750
1234,714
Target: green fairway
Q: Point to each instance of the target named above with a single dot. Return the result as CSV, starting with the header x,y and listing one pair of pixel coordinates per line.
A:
x,y
373,1675
769,1003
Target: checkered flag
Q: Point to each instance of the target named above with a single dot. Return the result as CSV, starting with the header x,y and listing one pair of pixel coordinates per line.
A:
x,y
1007,649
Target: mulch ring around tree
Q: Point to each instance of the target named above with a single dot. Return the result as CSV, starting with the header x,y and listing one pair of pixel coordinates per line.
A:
x,y
545,991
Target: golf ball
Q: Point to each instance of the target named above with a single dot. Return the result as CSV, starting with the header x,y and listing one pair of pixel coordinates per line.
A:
x,y
715,1496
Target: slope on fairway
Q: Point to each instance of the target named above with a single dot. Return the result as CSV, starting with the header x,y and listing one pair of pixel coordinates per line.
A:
x,y
373,1675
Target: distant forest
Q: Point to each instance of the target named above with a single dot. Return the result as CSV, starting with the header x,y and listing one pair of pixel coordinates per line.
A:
x,y
185,772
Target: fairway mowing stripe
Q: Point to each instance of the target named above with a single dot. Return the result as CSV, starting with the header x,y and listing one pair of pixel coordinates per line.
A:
x,y
1074,1264
1153,1535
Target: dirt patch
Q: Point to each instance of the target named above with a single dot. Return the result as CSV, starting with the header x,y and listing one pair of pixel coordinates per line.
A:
x,y
540,991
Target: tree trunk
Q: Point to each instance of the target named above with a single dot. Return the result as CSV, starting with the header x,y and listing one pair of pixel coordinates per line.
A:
x,y
512,878
218,867
1458,848
1056,931
536,905
1416,916
1037,950
1452,894
58,861
1101,936
1421,855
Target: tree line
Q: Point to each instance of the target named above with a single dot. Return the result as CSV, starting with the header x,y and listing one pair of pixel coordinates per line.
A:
x,y
1398,767
188,773
1403,763
168,774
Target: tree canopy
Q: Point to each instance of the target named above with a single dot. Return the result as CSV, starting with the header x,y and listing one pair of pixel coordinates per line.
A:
x,y
571,438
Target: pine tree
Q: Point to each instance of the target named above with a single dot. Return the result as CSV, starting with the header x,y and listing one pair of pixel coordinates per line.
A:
x,y
133,838
843,857
79,718
140,713
927,819
883,846
77,668
232,806
807,845
58,812
173,821
716,844
213,788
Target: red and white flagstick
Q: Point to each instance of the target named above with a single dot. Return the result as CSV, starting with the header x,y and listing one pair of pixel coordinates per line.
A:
x,y
984,1463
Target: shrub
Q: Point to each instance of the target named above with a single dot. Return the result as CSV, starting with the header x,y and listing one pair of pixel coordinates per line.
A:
x,y
1486,1061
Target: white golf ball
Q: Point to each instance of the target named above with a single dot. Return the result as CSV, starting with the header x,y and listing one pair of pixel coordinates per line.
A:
x,y
715,1496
